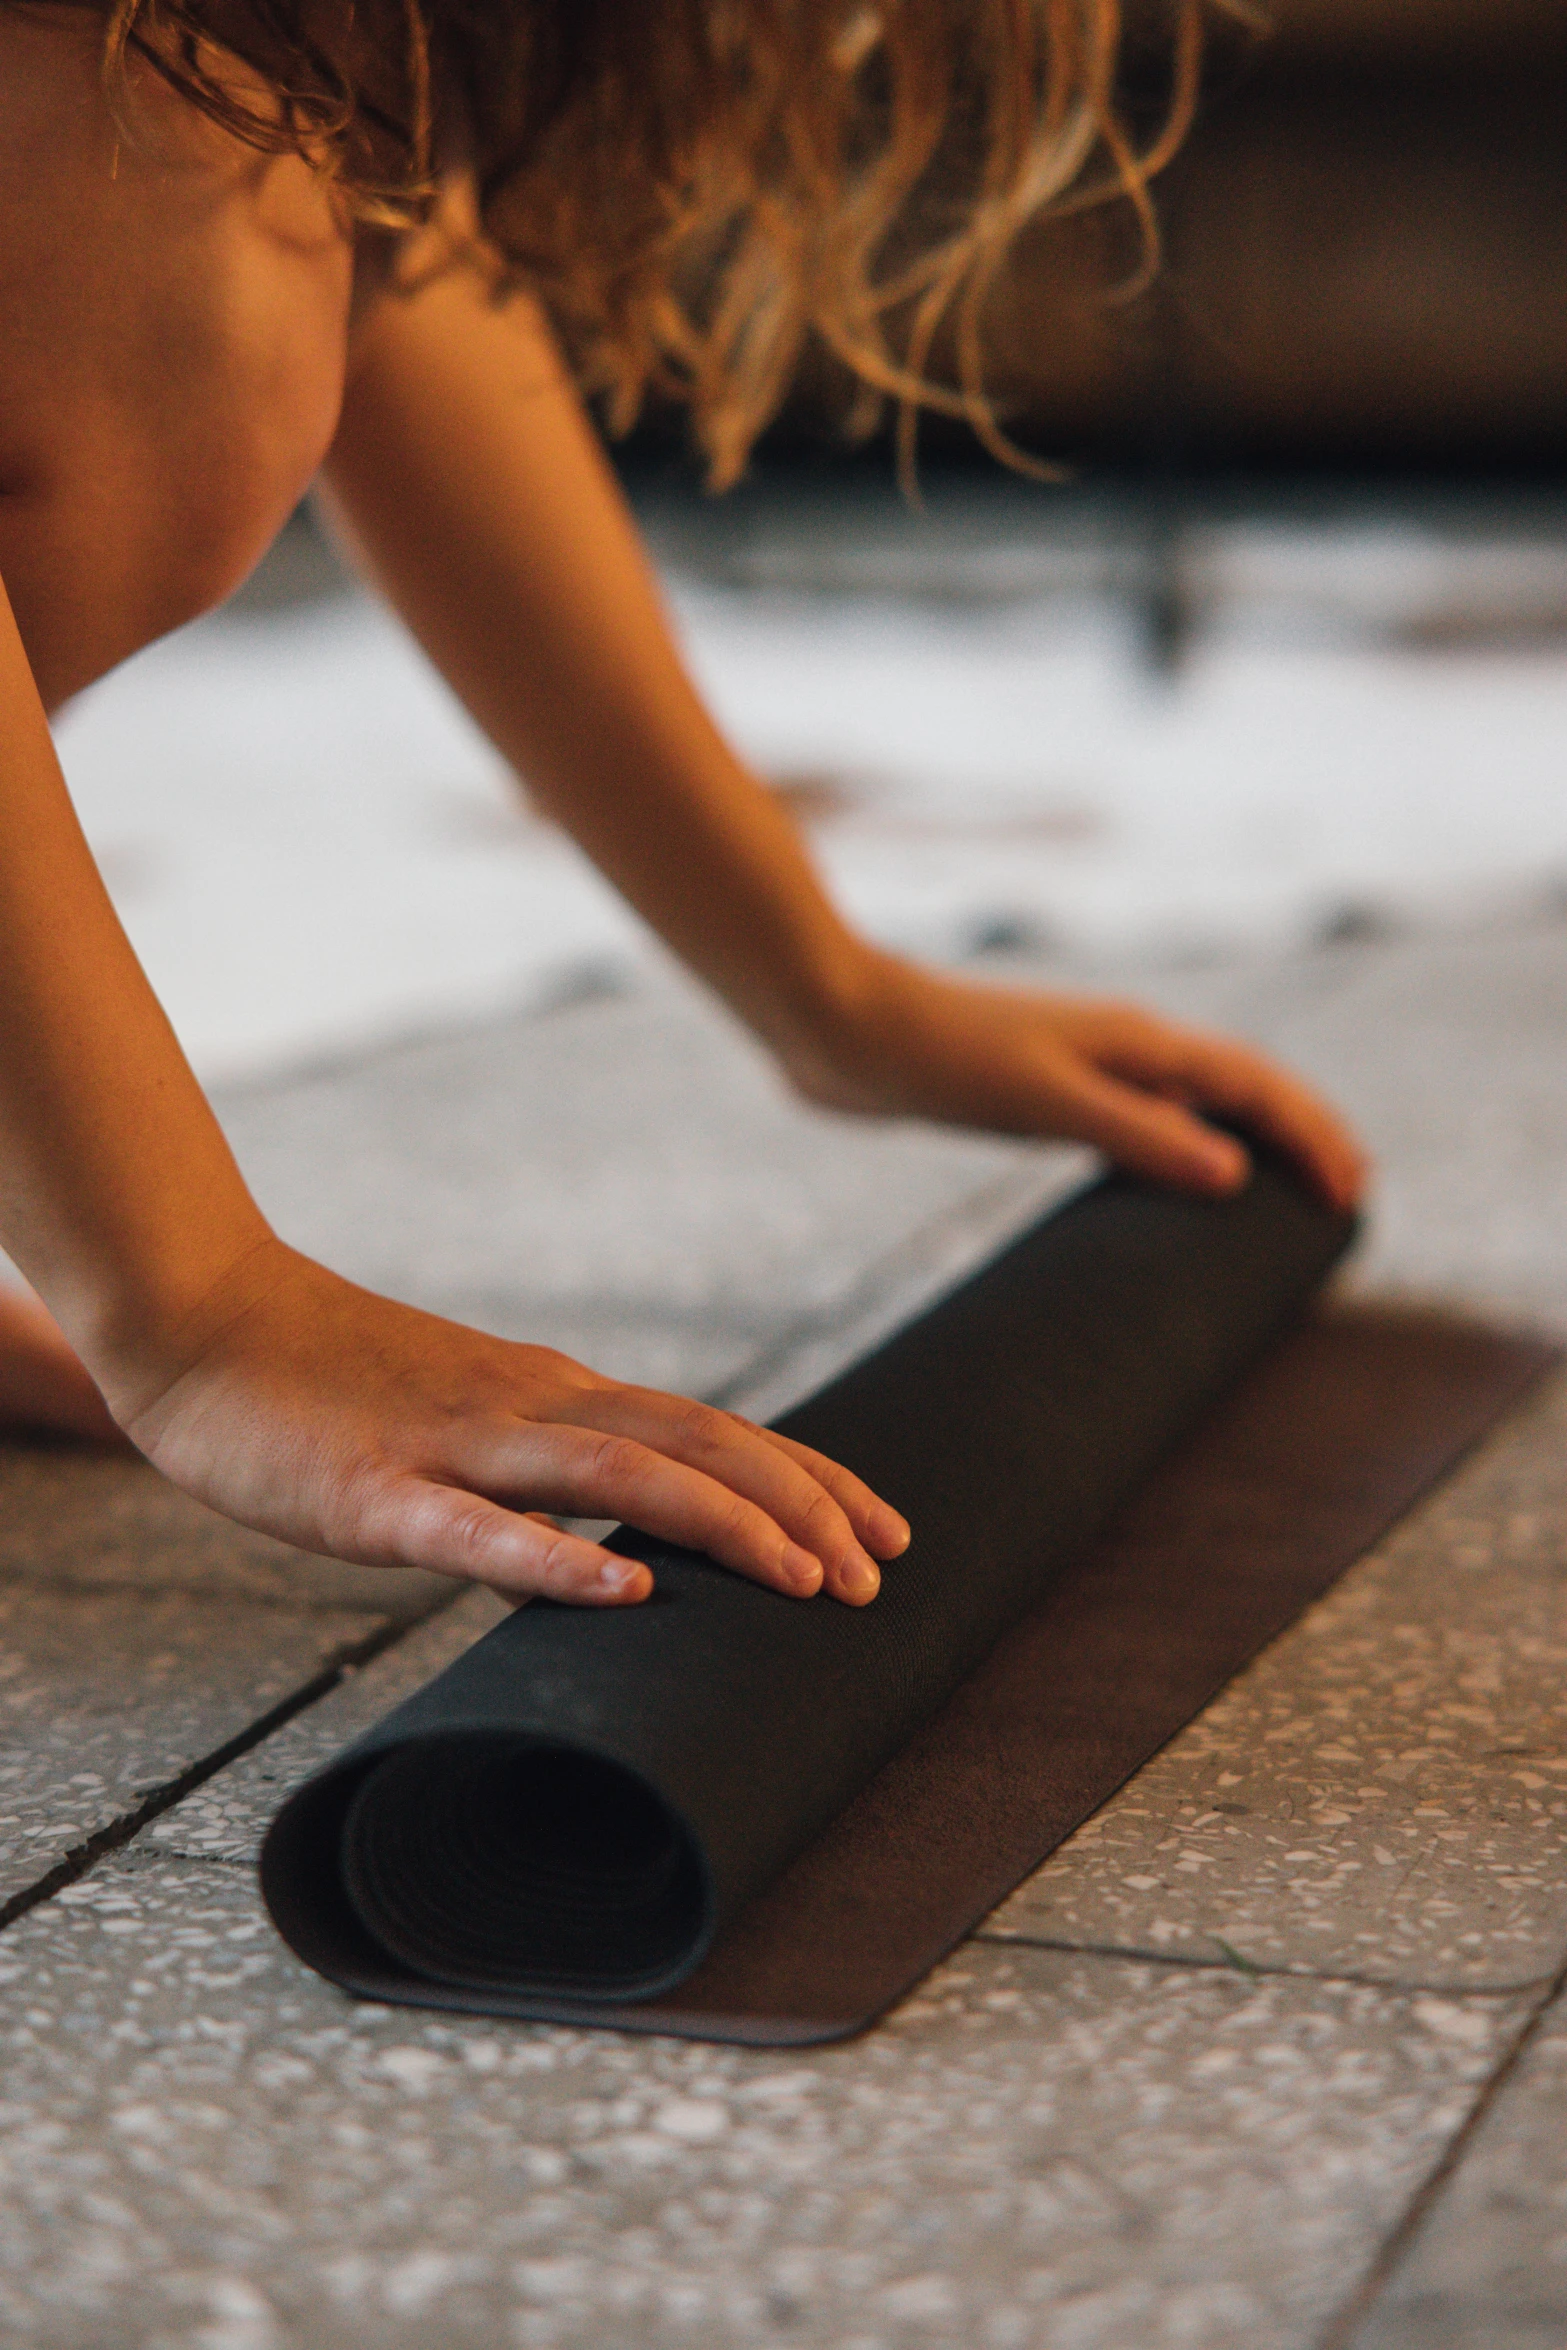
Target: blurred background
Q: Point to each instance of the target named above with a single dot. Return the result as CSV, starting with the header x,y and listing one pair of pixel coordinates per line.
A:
x,y
1279,663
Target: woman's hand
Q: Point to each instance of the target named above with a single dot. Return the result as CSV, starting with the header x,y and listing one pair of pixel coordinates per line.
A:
x,y
917,1043
347,1424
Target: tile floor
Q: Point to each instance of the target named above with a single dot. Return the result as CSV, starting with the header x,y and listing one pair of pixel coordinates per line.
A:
x,y
1269,2055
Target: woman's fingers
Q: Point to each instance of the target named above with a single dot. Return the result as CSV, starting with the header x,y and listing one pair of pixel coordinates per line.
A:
x,y
584,1472
1277,1107
450,1529
738,1460
417,1521
883,1530
1161,1138
1154,1136
1238,1083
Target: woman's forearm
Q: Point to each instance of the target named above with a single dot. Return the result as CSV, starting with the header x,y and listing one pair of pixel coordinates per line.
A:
x,y
470,480
119,1198
469,476
267,1386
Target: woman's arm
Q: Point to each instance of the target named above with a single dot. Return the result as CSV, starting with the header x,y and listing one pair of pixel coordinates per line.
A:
x,y
119,1195
472,484
265,1384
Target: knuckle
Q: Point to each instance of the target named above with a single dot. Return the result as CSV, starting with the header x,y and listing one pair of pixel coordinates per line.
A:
x,y
388,1518
470,1531
367,1498
822,1514
738,1523
558,1563
700,1425
548,1363
618,1460
407,1521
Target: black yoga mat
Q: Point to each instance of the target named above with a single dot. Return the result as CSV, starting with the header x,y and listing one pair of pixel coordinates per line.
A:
x,y
746,1817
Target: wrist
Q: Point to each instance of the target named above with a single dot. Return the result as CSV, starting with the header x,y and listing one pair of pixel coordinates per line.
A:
x,y
143,1329
833,1046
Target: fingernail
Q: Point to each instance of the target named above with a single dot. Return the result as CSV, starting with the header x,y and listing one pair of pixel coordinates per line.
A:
x,y
860,1580
803,1571
621,1574
892,1532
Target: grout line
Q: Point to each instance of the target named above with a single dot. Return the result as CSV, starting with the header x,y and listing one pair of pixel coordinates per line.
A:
x,y
1241,1965
118,1832
1342,2328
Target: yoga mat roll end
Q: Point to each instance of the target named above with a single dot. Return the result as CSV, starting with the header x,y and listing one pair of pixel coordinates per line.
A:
x,y
487,1863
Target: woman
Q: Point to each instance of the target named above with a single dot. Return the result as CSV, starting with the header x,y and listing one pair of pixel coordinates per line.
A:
x,y
251,244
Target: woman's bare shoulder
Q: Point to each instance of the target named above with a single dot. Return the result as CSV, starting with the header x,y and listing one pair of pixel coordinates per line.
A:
x,y
84,188
176,311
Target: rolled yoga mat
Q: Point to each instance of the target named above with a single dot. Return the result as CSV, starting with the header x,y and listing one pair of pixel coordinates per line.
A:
x,y
739,1816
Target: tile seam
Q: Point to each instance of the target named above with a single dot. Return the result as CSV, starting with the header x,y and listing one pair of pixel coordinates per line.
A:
x,y
115,1834
1134,1955
1344,2326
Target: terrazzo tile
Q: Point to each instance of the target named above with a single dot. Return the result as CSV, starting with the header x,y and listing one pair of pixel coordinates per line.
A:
x,y
1377,1795
201,2144
1488,2269
1384,1792
203,2148
74,1518
107,1696
625,1178
1447,1052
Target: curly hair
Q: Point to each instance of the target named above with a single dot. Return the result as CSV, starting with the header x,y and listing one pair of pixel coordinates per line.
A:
x,y
697,189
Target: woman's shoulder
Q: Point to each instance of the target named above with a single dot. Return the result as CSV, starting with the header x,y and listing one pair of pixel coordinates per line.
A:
x,y
176,310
